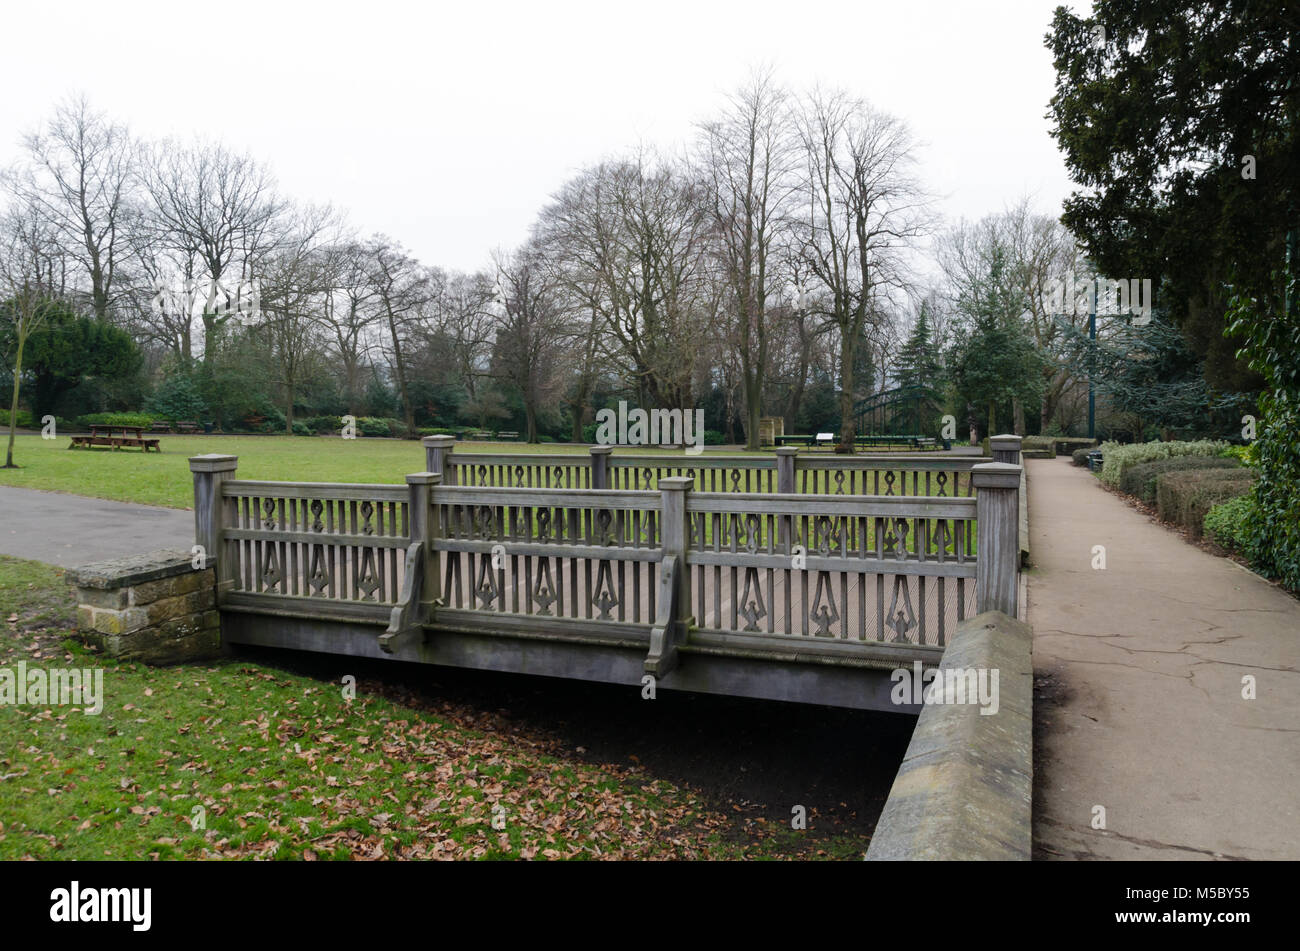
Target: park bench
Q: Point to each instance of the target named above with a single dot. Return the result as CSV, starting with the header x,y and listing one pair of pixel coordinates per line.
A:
x,y
509,437
188,426
824,440
821,439
116,437
477,434
160,427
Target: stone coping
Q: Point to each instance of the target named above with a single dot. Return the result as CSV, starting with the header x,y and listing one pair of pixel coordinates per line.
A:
x,y
964,789
133,569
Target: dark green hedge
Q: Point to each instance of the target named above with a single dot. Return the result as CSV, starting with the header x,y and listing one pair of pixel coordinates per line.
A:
x,y
1140,480
1269,332
1184,498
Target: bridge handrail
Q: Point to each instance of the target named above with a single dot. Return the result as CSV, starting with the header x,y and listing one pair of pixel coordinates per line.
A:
x,y
356,551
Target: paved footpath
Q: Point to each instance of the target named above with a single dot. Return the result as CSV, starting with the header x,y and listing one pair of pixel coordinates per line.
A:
x,y
1140,705
72,530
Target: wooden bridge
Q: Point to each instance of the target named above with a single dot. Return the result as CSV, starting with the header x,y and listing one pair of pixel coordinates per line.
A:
x,y
783,577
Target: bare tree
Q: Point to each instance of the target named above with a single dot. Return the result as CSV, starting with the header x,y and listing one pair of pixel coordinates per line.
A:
x,y
530,332
31,272
160,308
349,312
402,288
295,279
218,211
81,172
633,236
747,163
462,316
863,207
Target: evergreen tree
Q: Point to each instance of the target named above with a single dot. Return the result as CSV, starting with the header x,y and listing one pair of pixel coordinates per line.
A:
x,y
993,361
918,360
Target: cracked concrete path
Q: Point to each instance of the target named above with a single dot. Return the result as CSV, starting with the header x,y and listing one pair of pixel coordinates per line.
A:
x,y
71,530
1138,699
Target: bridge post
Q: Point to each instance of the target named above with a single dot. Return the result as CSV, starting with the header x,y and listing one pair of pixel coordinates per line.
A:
x,y
424,529
1005,448
997,526
436,451
674,612
785,462
210,472
600,466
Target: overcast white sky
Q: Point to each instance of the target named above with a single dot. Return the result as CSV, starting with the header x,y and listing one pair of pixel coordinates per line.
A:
x,y
448,126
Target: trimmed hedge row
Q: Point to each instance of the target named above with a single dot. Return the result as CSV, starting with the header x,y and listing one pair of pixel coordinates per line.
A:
x,y
1039,444
117,419
1068,445
1184,498
1118,457
1140,480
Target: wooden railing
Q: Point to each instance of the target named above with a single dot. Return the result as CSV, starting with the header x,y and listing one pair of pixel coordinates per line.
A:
x,y
831,567
784,471
557,553
314,542
777,575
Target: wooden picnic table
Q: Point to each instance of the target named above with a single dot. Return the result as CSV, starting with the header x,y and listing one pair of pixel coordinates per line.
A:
x,y
116,437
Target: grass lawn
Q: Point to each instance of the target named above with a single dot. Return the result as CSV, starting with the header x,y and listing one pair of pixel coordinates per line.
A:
x,y
280,765
164,478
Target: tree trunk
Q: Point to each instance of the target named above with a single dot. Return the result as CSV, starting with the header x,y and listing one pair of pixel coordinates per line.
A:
x,y
13,406
530,417
579,406
753,410
848,352
407,409
1018,412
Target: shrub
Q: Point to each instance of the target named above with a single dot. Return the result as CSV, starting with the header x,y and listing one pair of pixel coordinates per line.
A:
x,y
713,438
273,421
1247,455
1080,456
24,419
1140,480
1184,498
178,398
1269,331
373,426
301,429
322,424
116,419
1117,457
440,430
1228,523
